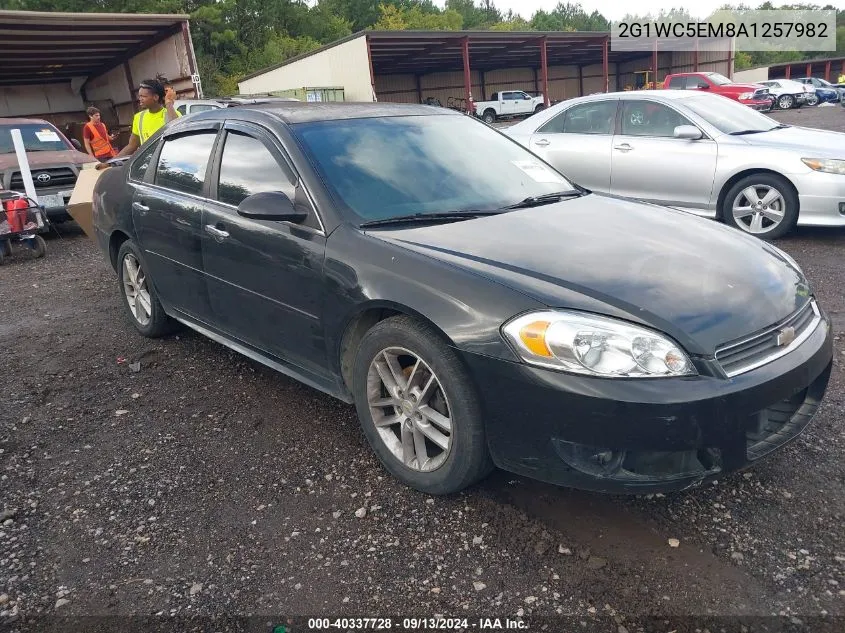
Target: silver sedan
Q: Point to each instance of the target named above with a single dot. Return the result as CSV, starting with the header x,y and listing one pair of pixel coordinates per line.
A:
x,y
699,153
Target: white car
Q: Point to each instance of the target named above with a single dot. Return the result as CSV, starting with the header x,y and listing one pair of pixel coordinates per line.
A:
x,y
696,152
508,104
790,94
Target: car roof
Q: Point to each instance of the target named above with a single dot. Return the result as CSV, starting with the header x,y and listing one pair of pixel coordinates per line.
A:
x,y
664,94
293,112
20,121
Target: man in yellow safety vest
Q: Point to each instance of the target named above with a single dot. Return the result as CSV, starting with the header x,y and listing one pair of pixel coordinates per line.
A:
x,y
158,110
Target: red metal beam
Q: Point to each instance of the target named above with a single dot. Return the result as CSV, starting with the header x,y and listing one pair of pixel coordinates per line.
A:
x,y
809,70
654,64
544,69
788,72
467,75
827,71
695,57
604,64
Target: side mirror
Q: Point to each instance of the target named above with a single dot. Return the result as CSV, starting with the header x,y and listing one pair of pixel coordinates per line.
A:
x,y
76,144
689,132
270,205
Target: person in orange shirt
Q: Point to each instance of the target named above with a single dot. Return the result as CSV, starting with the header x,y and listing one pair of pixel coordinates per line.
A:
x,y
97,137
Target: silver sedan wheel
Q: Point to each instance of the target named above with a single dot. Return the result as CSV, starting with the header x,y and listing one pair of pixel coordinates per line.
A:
x,y
409,409
812,100
785,102
759,209
136,290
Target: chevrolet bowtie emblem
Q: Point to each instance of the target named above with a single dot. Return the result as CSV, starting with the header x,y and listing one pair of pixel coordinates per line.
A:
x,y
785,336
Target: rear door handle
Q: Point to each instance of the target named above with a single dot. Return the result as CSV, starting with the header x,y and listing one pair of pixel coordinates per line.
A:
x,y
542,142
140,207
623,148
217,233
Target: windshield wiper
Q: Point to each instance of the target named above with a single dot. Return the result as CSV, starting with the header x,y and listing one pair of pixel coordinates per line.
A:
x,y
534,201
741,132
431,217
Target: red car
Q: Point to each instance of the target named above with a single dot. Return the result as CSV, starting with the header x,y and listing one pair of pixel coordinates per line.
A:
x,y
753,95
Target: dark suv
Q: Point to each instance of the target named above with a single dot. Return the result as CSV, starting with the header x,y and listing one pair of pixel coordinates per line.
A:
x,y
53,160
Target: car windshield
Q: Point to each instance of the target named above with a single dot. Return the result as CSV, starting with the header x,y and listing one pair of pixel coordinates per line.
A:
x,y
390,167
718,79
729,116
36,138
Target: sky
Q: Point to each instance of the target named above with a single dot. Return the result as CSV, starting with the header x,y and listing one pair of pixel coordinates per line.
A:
x,y
616,9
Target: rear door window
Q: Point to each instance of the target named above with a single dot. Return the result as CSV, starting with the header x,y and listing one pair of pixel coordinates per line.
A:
x,y
183,162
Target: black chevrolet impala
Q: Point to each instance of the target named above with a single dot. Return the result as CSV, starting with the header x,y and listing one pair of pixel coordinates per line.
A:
x,y
477,307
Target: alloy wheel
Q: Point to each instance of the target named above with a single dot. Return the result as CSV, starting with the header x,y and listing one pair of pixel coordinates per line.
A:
x,y
409,409
785,102
136,290
759,209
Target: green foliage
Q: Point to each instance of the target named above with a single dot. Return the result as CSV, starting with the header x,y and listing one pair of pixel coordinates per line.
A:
x,y
234,38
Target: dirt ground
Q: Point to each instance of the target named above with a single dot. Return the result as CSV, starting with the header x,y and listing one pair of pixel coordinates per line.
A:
x,y
174,477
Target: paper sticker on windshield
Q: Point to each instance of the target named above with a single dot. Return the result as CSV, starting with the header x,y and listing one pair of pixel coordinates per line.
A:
x,y
538,172
48,136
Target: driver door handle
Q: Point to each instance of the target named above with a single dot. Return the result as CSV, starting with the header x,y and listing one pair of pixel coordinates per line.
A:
x,y
217,233
623,148
140,207
542,142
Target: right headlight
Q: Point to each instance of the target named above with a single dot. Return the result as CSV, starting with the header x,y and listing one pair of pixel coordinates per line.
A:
x,y
746,95
826,165
595,345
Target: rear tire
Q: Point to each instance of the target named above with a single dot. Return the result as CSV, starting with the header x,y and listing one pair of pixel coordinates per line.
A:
x,y
777,200
785,102
139,296
489,117
419,408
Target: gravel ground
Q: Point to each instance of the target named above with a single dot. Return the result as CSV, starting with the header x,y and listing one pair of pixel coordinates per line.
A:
x,y
174,477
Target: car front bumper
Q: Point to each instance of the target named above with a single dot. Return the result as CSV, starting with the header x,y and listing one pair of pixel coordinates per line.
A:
x,y
821,198
647,435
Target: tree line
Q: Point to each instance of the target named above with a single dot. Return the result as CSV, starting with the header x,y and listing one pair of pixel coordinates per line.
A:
x,y
234,38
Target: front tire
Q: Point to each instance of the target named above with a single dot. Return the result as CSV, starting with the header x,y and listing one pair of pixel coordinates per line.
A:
x,y
489,117
785,102
139,296
764,205
419,409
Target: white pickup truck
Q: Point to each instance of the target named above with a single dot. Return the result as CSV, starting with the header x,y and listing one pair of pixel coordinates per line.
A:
x,y
508,104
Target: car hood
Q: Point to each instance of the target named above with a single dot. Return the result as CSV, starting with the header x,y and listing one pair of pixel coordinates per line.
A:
x,y
811,140
701,282
741,87
46,159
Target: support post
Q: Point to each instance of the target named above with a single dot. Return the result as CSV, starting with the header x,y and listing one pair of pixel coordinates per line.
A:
x,y
788,72
372,74
419,87
827,71
544,70
131,85
536,82
605,64
695,57
809,70
654,65
580,81
467,77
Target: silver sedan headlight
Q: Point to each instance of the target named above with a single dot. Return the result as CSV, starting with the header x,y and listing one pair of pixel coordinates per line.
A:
x,y
595,346
826,165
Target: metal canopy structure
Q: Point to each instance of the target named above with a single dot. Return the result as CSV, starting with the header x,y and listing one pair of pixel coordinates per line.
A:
x,y
42,48
826,67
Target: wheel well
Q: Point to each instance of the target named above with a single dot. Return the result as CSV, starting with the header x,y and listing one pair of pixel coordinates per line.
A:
x,y
737,177
363,323
115,242
491,110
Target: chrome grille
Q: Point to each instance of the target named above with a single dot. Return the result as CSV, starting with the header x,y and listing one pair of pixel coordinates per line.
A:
x,y
59,177
752,352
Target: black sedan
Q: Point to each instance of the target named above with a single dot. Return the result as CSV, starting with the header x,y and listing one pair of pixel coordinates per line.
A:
x,y
477,307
